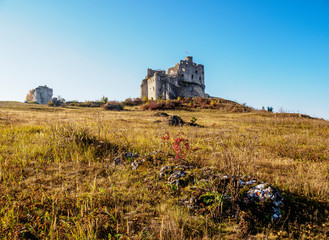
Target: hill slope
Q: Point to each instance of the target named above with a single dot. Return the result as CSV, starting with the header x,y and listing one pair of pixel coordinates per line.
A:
x,y
89,173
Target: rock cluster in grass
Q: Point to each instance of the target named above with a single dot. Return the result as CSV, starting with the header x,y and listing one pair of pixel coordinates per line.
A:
x,y
264,192
256,197
174,173
131,158
175,121
259,199
120,160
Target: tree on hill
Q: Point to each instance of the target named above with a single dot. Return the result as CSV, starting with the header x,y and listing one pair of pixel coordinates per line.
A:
x,y
29,96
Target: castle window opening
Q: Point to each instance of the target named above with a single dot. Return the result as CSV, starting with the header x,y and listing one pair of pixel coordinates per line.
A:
x,y
196,72
200,78
182,75
192,76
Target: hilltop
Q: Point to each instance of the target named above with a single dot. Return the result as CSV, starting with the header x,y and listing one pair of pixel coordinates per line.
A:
x,y
82,172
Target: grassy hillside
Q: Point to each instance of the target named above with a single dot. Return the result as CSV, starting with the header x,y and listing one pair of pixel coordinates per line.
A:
x,y
71,174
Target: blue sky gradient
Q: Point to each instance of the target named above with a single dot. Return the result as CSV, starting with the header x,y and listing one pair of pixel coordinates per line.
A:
x,y
262,53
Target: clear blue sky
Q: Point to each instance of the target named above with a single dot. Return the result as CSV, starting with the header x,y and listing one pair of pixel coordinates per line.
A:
x,y
262,53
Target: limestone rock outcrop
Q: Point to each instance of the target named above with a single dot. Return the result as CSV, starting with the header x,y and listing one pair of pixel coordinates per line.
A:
x,y
41,95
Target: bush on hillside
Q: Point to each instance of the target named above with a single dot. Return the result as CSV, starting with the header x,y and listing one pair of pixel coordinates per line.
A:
x,y
161,105
91,104
196,102
132,102
113,106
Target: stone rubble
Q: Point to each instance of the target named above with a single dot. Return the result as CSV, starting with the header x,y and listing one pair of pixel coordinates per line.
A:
x,y
175,121
259,193
251,182
263,192
120,160
175,173
175,176
136,163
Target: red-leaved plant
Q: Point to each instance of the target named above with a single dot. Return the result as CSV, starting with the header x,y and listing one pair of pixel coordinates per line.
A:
x,y
180,145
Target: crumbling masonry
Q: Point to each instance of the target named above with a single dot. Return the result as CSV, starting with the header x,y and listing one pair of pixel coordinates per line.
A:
x,y
186,79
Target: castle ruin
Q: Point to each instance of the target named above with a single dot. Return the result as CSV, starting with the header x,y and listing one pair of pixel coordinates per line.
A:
x,y
186,79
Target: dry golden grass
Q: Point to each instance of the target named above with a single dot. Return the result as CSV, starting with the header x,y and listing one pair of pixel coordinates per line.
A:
x,y
57,178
